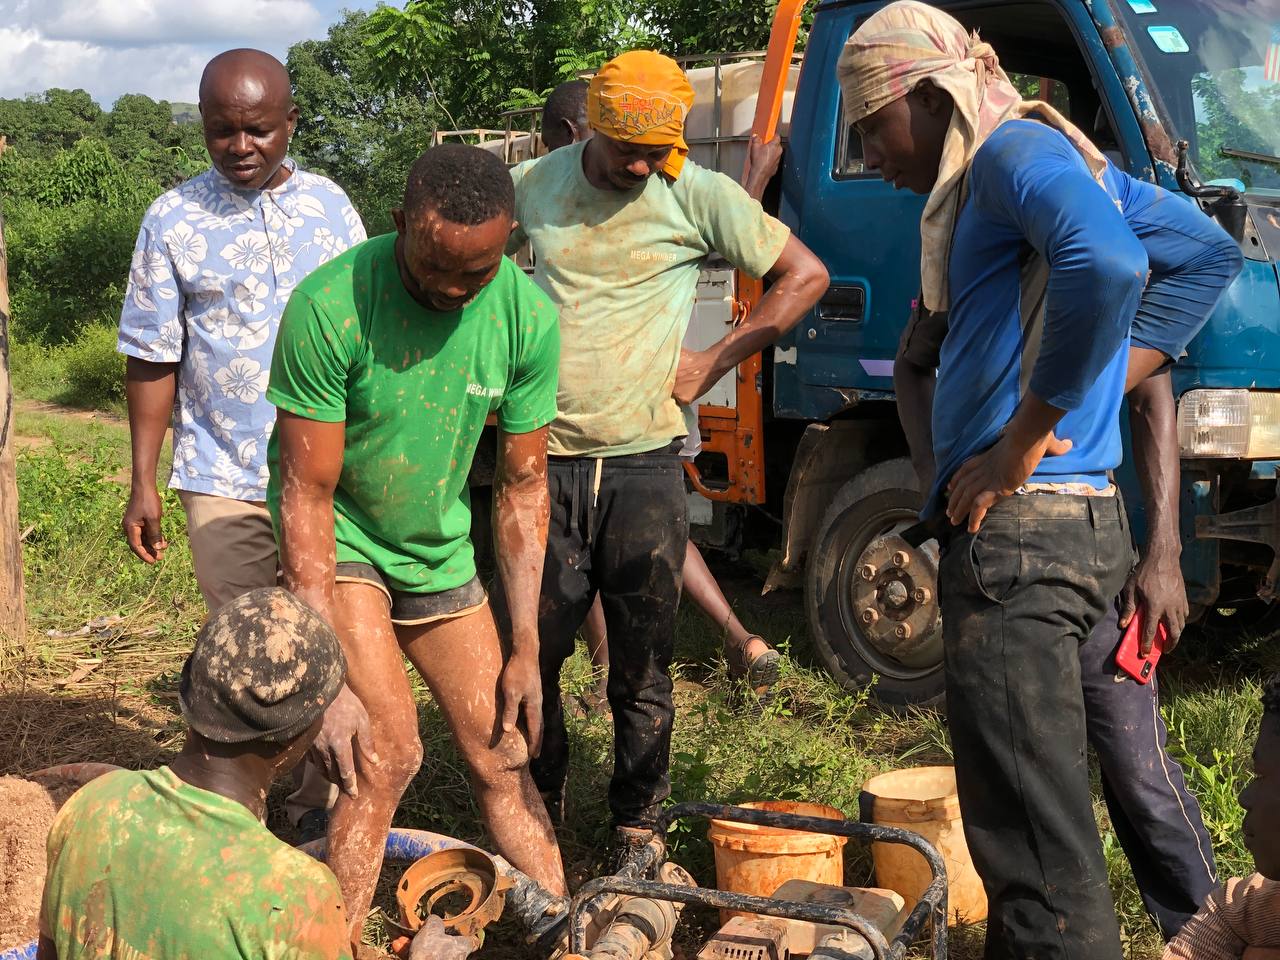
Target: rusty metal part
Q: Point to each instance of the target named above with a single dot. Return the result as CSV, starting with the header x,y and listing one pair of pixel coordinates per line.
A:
x,y
448,873
894,596
746,939
1150,113
1258,524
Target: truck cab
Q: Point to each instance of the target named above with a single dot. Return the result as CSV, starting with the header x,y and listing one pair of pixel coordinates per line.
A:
x,y
1183,93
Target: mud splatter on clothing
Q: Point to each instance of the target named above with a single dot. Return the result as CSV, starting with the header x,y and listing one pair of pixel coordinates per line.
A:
x,y
622,266
143,865
414,387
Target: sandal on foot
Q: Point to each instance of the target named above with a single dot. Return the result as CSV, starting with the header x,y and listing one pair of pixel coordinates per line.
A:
x,y
761,671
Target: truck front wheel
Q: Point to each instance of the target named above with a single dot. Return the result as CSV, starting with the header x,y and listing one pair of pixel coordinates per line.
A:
x,y
871,598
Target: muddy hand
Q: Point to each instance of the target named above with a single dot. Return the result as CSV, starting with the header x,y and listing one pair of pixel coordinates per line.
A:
x,y
141,524
763,159
344,731
1156,583
433,942
522,689
694,377
988,477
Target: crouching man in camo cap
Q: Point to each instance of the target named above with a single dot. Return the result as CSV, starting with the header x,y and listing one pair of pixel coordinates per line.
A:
x,y
176,862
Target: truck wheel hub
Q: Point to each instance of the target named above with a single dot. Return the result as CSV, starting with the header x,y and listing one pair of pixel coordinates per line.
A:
x,y
895,597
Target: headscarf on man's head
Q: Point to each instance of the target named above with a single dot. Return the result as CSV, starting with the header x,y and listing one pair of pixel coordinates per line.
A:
x,y
906,42
642,97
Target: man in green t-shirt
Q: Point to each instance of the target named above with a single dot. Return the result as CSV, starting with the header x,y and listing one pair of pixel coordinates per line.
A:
x,y
175,862
620,225
388,360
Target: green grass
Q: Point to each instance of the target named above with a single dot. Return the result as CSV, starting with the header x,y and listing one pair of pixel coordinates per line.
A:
x,y
814,741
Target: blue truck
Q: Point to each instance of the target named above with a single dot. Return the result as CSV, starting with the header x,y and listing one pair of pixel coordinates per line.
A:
x,y
803,453
1184,93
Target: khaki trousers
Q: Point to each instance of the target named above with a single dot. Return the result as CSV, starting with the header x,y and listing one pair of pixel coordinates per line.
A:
x,y
233,550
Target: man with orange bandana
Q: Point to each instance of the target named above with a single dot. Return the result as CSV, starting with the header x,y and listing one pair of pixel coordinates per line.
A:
x,y
620,225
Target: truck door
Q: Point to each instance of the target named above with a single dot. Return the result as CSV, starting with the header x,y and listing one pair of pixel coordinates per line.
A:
x,y
865,232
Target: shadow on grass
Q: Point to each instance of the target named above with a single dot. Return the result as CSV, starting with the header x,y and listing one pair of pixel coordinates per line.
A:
x,y
43,729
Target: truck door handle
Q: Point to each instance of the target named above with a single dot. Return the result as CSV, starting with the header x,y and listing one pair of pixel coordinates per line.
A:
x,y
845,303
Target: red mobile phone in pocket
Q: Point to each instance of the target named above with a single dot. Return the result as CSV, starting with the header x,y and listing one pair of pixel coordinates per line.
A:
x,y
1128,656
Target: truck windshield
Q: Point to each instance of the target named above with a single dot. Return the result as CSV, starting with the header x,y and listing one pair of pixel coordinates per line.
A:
x,y
1216,67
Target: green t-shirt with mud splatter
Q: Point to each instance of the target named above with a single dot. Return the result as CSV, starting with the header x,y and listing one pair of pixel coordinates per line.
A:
x,y
622,268
144,866
414,388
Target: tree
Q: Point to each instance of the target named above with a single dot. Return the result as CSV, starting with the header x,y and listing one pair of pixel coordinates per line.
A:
x,y
685,28
51,121
475,58
1228,115
363,136
13,615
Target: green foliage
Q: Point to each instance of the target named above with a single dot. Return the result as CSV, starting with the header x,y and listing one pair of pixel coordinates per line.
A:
x,y
54,120
76,561
94,370
89,171
352,130
68,265
1228,115
685,27
480,57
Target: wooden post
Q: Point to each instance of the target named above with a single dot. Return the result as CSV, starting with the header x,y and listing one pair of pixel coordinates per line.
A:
x,y
13,613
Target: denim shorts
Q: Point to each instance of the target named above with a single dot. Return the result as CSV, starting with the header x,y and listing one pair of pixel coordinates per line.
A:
x,y
413,609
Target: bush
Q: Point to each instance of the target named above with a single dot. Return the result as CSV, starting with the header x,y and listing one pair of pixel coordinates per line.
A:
x,y
68,266
94,371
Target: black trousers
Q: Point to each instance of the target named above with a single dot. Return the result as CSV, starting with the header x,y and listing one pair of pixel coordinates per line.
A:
x,y
1021,598
1155,817
619,527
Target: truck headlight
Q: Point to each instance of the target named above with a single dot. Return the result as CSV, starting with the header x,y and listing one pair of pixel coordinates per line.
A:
x,y
1240,424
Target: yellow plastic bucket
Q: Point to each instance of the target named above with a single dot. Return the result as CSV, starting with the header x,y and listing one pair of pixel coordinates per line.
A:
x,y
923,800
758,860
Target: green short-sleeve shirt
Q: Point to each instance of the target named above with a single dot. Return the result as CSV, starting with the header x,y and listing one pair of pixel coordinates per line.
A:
x,y
622,268
414,388
144,865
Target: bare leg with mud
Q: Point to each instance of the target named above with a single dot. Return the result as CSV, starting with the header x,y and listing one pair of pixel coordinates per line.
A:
x,y
461,660
701,587
376,674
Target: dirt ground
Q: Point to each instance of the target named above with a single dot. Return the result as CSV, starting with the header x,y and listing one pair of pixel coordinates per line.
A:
x,y
28,811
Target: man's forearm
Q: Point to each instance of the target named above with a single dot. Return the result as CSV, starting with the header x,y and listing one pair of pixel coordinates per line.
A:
x,y
520,517
307,548
1154,428
150,389
789,299
1032,421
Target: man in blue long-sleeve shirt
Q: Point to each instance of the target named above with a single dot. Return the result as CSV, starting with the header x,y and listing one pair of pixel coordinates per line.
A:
x,y
1025,432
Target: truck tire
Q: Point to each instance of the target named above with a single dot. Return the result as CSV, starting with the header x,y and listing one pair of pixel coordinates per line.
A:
x,y
878,502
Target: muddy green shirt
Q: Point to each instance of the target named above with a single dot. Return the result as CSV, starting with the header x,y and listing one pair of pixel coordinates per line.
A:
x,y
414,387
143,866
622,267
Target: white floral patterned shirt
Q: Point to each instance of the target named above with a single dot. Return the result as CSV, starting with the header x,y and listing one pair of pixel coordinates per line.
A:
x,y
212,271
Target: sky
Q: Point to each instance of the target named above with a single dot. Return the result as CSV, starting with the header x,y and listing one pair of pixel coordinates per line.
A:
x,y
156,47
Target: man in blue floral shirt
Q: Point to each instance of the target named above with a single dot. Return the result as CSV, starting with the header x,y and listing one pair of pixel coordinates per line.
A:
x,y
215,262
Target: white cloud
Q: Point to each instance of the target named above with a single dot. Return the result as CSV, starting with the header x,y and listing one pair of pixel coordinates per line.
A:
x,y
33,63
156,47
137,23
